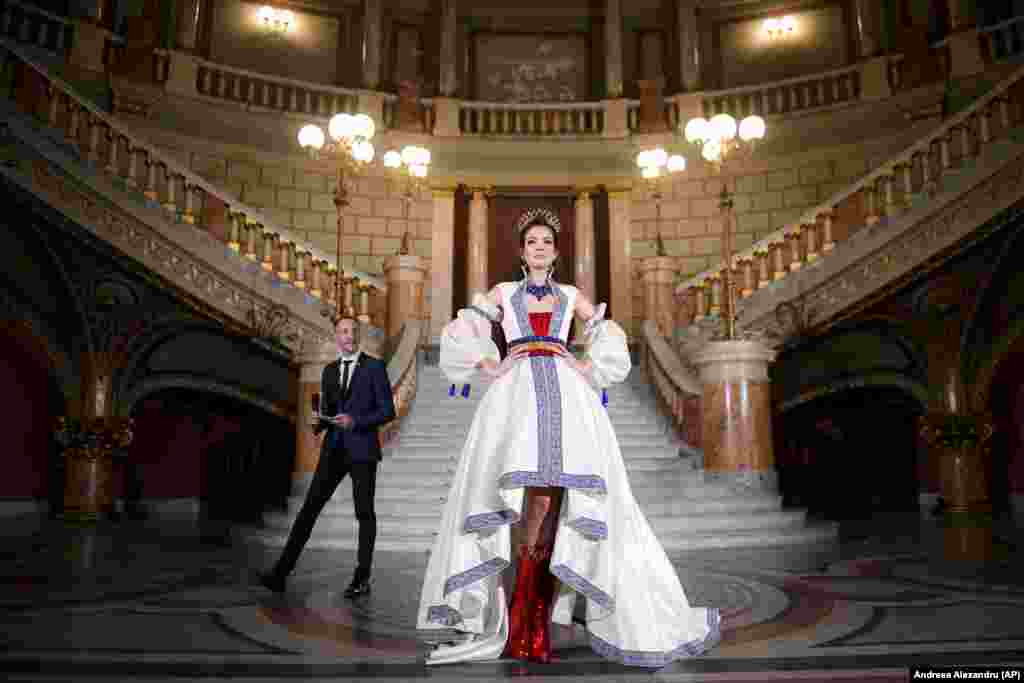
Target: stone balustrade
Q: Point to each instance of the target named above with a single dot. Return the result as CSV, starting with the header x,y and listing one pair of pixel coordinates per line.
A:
x,y
676,386
30,25
533,120
108,146
898,184
263,92
785,97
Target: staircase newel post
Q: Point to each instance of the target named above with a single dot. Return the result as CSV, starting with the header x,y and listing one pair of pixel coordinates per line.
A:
x,y
658,274
736,425
404,273
307,444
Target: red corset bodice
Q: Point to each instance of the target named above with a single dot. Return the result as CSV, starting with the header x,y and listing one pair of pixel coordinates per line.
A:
x,y
540,323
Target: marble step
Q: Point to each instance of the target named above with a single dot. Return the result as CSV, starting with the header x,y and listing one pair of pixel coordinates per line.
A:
x,y
429,429
401,459
626,440
629,446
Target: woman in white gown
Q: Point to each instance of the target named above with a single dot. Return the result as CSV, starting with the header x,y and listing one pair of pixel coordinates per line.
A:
x,y
541,448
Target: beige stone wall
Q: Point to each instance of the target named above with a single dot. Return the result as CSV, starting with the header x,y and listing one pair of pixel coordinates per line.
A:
x,y
770,194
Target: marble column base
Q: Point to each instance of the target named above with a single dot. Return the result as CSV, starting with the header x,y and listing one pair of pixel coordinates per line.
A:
x,y
736,434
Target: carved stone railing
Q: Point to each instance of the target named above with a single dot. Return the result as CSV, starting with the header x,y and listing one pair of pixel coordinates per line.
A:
x,y
1003,40
900,185
158,181
532,120
25,23
256,91
784,97
676,386
403,369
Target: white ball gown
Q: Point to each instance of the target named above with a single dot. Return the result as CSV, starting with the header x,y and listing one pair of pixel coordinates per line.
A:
x,y
543,424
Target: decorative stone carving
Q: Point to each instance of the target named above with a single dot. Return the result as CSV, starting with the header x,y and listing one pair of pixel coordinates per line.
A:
x,y
190,258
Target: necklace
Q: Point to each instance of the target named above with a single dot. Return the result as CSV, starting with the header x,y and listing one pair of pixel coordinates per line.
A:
x,y
539,291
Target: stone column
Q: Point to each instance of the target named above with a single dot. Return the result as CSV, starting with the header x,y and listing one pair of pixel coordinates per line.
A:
x,y
613,48
448,80
689,45
658,274
372,21
191,14
869,26
405,273
442,260
583,277
620,267
736,430
307,444
476,249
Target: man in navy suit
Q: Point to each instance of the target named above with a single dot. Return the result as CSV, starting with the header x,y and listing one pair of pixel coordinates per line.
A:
x,y
356,397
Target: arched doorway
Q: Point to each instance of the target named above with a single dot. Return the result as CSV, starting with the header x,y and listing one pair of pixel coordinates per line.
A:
x,y
31,471
1007,456
850,455
230,459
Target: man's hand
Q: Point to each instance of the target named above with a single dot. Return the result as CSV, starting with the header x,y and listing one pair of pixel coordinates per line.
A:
x,y
343,420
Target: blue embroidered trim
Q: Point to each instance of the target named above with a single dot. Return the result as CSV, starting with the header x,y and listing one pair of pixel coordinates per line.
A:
x,y
536,338
585,482
539,291
477,573
490,520
604,397
591,528
465,391
443,614
581,585
656,660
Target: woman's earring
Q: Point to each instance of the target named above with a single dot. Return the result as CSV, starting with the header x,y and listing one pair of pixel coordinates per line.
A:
x,y
522,267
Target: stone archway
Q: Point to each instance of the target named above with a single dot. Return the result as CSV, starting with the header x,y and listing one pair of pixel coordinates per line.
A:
x,y
1000,392
851,452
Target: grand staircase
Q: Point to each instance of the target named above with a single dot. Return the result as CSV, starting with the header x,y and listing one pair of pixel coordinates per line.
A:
x,y
685,511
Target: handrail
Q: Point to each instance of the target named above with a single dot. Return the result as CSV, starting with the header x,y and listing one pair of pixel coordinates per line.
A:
x,y
884,169
669,360
190,177
284,80
993,28
402,371
743,89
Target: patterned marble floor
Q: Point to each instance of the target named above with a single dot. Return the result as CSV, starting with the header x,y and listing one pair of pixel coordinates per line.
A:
x,y
146,601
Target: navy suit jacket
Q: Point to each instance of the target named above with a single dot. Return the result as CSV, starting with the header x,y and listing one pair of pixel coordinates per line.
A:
x,y
368,401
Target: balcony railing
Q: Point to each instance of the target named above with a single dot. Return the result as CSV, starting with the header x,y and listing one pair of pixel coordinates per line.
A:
x,y
786,97
535,120
107,145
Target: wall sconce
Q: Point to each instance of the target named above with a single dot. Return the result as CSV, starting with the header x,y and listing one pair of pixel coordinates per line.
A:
x,y
779,28
276,21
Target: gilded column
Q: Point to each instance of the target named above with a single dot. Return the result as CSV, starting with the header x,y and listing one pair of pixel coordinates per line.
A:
x,y
736,429
583,278
405,273
448,81
442,261
613,47
307,444
476,249
372,20
689,45
620,266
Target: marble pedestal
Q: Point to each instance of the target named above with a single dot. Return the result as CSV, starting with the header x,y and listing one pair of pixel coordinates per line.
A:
x,y
736,433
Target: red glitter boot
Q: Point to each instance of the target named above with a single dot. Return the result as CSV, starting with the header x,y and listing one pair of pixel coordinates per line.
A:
x,y
519,616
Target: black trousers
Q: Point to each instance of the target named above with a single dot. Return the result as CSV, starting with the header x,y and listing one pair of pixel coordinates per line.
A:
x,y
329,473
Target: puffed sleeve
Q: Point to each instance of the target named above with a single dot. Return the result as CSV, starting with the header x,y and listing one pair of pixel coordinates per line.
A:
x,y
605,342
466,340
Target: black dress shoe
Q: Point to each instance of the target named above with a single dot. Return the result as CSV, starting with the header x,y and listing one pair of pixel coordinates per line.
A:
x,y
358,587
272,582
